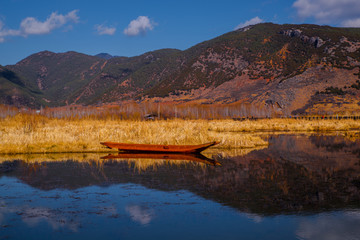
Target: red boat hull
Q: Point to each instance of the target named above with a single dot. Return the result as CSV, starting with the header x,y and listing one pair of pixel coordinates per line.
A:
x,y
128,147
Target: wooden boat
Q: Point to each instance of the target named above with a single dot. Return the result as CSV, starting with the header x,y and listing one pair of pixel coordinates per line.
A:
x,y
165,156
128,147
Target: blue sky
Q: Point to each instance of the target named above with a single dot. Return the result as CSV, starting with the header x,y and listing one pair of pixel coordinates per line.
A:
x,y
130,28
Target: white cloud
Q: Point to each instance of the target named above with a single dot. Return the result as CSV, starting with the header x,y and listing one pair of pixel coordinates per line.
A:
x,y
139,26
32,26
103,30
252,21
351,23
7,32
342,12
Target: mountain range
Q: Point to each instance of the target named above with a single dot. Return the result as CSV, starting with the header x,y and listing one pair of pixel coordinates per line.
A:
x,y
297,69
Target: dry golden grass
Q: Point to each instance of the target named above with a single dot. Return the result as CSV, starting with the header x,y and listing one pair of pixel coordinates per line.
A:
x,y
32,133
293,125
230,152
29,134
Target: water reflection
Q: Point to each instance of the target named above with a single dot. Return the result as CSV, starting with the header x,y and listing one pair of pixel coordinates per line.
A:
x,y
310,183
330,226
34,216
296,173
140,214
166,157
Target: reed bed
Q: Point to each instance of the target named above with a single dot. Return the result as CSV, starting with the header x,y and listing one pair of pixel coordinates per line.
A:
x,y
38,134
285,125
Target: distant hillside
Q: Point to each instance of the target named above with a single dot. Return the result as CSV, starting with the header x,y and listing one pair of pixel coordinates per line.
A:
x,y
105,56
291,68
13,90
57,75
124,78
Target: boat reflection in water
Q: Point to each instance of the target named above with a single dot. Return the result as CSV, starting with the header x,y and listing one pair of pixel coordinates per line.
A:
x,y
297,188
161,156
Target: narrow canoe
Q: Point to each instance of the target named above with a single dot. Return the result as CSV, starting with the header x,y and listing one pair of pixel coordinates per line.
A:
x,y
198,157
128,147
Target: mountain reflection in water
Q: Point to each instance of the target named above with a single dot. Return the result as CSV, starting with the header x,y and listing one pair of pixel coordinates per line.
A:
x,y
295,175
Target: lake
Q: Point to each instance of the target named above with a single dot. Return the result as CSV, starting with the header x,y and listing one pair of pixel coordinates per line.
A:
x,y
300,187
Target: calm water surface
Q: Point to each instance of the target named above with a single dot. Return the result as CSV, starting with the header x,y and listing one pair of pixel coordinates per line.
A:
x,y
300,187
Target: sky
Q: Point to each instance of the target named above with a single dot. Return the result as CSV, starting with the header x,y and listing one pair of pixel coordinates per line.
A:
x,y
131,28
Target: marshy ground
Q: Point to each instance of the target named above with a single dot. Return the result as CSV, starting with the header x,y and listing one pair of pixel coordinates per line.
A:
x,y
26,133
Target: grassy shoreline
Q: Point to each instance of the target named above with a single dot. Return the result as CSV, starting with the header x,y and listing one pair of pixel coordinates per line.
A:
x,y
39,134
